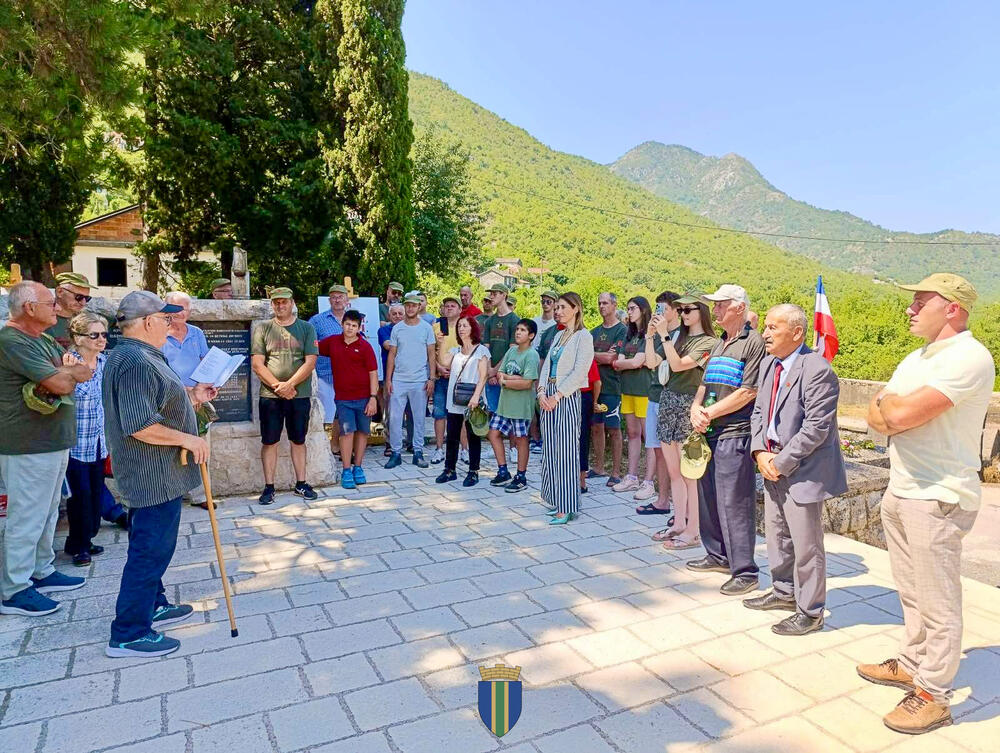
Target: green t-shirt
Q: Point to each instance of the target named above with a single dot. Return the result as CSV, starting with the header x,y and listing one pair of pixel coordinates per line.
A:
x,y
26,359
655,388
285,350
606,338
635,381
699,347
60,331
498,334
519,403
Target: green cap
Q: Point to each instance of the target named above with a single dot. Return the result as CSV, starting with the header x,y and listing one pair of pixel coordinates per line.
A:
x,y
479,420
413,297
73,278
695,454
218,282
280,293
397,286
550,294
46,403
338,289
451,298
692,296
498,288
947,285
511,300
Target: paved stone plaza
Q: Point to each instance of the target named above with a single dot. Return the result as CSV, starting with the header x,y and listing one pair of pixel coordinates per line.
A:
x,y
364,615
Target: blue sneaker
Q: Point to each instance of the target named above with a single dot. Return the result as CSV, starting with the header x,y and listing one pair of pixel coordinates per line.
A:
x,y
29,603
151,644
395,460
56,581
359,476
170,613
347,479
418,459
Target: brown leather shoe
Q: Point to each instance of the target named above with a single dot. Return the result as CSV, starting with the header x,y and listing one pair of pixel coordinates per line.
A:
x,y
916,715
887,673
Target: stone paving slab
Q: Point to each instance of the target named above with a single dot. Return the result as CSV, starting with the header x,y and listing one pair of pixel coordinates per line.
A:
x,y
365,614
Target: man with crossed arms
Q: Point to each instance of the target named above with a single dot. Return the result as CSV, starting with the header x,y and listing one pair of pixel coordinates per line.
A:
x,y
796,445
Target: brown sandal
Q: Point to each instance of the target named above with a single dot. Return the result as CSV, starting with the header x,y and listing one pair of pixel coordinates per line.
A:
x,y
664,534
677,543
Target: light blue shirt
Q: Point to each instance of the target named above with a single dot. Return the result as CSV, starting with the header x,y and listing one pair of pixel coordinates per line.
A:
x,y
786,367
325,324
411,341
184,357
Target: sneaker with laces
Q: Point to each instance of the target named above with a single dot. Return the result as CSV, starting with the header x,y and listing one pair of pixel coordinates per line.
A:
x,y
347,479
518,483
151,644
646,491
418,459
56,581
536,447
463,456
501,479
437,456
471,478
918,713
887,673
171,613
395,460
302,489
359,475
28,603
267,496
627,484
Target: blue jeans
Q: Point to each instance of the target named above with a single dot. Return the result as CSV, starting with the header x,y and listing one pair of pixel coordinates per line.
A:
x,y
110,509
152,538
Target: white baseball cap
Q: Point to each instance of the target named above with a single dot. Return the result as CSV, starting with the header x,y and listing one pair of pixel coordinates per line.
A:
x,y
729,293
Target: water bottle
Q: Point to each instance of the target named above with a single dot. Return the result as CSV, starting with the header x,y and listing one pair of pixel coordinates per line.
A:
x,y
710,400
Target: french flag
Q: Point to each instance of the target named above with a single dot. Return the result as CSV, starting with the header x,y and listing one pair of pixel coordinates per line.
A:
x,y
826,331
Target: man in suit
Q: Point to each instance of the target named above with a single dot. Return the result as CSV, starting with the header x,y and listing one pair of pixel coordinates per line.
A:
x,y
795,441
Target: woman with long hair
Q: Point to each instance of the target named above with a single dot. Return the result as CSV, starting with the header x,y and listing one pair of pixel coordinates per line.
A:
x,y
635,379
468,363
687,356
562,376
85,472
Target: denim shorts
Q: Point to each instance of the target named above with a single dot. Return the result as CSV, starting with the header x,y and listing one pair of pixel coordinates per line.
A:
x,y
351,416
440,410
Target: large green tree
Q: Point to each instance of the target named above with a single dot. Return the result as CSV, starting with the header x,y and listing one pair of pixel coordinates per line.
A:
x,y
371,165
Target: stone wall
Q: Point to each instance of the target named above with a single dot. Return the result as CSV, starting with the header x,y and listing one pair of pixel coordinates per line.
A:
x,y
855,514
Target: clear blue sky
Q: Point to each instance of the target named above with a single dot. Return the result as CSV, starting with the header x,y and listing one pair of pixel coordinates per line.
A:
x,y
887,110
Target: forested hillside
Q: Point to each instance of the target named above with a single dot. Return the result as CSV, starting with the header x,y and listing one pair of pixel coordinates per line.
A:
x,y
730,191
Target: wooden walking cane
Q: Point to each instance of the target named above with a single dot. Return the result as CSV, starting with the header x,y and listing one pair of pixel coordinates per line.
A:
x,y
218,544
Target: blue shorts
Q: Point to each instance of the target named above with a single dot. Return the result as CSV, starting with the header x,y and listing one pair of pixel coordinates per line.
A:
x,y
612,418
514,427
351,416
440,411
492,392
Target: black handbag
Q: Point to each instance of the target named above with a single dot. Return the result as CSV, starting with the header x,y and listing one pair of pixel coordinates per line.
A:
x,y
463,390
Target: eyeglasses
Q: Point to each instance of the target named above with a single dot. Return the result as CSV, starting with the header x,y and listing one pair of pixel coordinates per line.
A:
x,y
633,307
42,303
95,335
686,309
168,318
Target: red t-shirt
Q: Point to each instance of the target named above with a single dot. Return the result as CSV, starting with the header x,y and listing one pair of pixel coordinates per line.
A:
x,y
351,365
592,376
471,310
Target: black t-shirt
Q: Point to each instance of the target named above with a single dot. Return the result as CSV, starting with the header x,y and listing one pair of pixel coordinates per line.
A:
x,y
733,364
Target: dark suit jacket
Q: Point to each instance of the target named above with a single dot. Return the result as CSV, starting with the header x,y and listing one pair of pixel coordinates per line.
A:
x,y
806,421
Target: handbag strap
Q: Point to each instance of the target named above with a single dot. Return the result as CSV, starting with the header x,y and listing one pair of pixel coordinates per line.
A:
x,y
466,364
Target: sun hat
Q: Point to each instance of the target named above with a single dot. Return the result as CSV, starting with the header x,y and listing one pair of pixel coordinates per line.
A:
x,y
479,420
47,403
695,454
947,285
140,303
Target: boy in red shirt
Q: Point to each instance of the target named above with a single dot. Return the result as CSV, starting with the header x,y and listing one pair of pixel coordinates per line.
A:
x,y
355,379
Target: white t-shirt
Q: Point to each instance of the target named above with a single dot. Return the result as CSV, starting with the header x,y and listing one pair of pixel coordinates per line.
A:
x,y
466,369
940,459
542,324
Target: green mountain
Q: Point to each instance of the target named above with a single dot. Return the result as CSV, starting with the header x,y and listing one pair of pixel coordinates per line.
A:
x,y
730,191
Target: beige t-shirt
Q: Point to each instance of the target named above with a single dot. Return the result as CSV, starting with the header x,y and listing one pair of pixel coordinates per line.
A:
x,y
940,459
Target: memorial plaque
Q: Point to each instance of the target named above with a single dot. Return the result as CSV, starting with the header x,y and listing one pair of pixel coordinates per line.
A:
x,y
233,402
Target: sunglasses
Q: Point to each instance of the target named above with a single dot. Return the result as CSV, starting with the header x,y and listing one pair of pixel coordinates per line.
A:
x,y
80,298
686,309
96,335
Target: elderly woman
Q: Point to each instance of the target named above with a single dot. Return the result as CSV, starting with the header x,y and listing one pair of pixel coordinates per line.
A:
x,y
563,375
85,473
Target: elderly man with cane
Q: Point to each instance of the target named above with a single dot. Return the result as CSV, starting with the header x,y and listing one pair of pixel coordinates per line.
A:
x,y
149,417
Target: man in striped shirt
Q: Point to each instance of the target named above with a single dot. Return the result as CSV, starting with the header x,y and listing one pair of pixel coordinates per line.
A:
x,y
149,416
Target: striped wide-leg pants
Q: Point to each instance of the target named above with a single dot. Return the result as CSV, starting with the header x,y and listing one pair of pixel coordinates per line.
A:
x,y
561,453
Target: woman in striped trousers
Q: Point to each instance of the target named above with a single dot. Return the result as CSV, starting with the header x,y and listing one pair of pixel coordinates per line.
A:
x,y
562,376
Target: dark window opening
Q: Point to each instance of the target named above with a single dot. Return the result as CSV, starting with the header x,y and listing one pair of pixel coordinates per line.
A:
x,y
112,273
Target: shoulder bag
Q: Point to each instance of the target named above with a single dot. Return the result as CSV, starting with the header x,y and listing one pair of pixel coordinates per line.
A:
x,y
464,390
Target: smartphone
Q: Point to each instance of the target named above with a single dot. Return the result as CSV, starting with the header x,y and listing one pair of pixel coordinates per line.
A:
x,y
661,309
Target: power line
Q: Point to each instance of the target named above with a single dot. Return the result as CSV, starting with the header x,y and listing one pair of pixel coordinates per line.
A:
x,y
678,223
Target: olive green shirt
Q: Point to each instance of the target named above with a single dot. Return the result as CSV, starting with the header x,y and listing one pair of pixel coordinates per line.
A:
x,y
606,338
285,350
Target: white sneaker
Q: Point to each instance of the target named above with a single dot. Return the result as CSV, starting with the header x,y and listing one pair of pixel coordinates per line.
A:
x,y
646,491
463,456
627,484
437,456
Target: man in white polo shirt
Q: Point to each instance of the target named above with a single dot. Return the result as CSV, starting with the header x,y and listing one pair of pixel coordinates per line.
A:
x,y
933,410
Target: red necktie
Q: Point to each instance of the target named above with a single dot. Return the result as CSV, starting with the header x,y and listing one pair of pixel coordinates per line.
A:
x,y
774,399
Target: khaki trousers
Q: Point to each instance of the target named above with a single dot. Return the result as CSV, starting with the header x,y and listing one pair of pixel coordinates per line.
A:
x,y
924,538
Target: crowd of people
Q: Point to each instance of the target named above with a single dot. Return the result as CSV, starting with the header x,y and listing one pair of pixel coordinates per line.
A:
x,y
707,399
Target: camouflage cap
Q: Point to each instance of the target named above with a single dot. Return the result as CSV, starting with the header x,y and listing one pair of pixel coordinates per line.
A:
x,y
550,294
73,278
397,286
498,287
337,288
280,293
218,282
